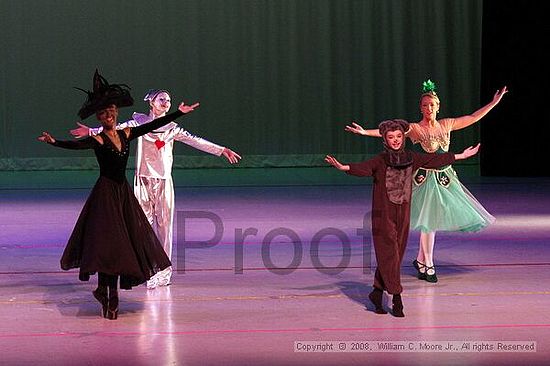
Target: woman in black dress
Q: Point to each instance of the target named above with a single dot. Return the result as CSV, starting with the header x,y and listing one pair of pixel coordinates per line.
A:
x,y
112,236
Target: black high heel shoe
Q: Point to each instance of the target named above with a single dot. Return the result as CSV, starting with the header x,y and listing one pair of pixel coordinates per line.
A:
x,y
112,314
418,266
101,296
112,308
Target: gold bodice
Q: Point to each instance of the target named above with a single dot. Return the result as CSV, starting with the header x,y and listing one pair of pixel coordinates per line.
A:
x,y
432,138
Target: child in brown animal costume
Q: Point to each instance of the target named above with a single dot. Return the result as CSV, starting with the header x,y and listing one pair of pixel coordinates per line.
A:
x,y
392,171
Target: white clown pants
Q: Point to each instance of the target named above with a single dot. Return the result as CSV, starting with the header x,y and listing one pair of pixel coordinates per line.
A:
x,y
156,197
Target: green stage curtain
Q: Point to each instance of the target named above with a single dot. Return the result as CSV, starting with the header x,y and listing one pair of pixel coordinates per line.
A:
x,y
277,79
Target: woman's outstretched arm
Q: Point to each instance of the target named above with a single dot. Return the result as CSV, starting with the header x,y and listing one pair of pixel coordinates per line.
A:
x,y
468,120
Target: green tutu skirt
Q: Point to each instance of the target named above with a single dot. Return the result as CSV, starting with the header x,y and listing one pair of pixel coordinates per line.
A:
x,y
441,203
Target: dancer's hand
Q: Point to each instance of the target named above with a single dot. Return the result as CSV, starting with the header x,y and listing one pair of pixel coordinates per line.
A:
x,y
499,94
468,152
81,131
231,156
335,163
46,137
357,129
187,108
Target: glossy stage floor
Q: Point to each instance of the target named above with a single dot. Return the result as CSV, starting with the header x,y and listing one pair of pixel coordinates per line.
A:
x,y
265,274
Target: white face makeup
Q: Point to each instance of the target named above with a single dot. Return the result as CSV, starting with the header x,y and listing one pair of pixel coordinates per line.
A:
x,y
161,104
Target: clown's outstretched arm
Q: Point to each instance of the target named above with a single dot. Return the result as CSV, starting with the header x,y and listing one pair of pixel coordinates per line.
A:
x,y
204,145
84,131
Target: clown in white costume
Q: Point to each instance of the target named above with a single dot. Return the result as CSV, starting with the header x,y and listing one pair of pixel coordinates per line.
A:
x,y
153,185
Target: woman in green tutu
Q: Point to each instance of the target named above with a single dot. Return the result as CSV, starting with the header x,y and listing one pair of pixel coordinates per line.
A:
x,y
436,191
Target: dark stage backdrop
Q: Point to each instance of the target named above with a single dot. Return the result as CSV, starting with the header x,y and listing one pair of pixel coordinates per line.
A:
x,y
277,79
515,43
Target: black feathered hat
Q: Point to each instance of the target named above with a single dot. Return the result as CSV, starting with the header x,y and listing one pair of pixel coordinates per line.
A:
x,y
103,95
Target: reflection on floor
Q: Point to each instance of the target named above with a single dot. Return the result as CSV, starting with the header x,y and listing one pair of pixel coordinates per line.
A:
x,y
264,272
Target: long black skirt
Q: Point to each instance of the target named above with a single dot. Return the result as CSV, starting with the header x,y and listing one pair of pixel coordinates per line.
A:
x,y
112,235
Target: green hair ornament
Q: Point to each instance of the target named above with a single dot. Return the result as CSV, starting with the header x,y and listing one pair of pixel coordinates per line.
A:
x,y
428,87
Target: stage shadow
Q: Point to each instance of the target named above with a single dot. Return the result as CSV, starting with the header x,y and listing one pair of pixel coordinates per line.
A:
x,y
357,292
74,299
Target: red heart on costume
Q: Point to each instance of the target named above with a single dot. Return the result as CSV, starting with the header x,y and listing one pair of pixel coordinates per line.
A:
x,y
159,144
